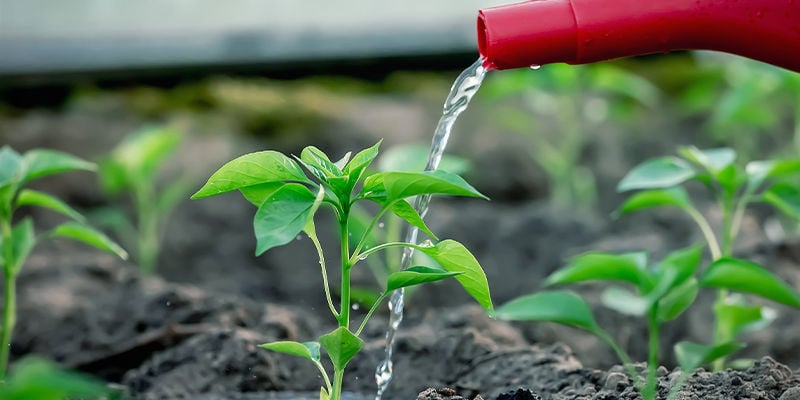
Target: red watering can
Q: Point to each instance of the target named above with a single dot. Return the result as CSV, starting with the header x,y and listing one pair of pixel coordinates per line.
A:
x,y
583,31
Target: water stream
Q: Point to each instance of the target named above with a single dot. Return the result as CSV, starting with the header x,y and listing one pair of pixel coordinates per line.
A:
x,y
464,88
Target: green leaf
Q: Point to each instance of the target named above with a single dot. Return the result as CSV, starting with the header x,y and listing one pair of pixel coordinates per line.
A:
x,y
624,301
657,173
734,318
356,167
10,162
282,216
731,178
714,160
341,345
553,306
685,262
307,350
41,162
400,185
252,169
602,266
113,177
36,378
143,152
748,277
258,194
29,197
415,276
675,197
677,300
23,240
692,355
407,212
758,171
315,158
90,236
785,198
452,256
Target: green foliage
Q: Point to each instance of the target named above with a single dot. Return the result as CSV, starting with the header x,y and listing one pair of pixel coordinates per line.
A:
x,y
18,240
288,193
133,168
734,187
555,111
34,378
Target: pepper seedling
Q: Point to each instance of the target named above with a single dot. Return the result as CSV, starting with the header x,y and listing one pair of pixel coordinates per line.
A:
x,y
17,240
288,194
663,291
660,183
133,168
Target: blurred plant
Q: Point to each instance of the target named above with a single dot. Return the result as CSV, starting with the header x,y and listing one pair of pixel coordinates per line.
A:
x,y
288,198
749,104
663,292
411,158
38,379
661,183
574,101
17,240
133,168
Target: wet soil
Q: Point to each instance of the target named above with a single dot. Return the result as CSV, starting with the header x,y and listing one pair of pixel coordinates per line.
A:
x,y
192,331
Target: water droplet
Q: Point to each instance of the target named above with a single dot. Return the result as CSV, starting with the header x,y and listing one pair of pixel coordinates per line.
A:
x,y
299,237
381,225
535,67
169,303
355,306
427,243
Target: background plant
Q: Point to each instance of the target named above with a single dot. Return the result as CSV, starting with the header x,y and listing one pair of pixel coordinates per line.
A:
x,y
39,379
288,197
663,291
18,239
133,168
661,182
556,111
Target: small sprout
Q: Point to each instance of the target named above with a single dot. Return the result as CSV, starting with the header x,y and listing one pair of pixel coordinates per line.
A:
x,y
288,193
18,240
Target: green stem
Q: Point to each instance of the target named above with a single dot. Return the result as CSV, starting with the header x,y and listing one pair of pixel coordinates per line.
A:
x,y
372,250
708,233
338,378
326,286
344,308
324,376
652,357
369,229
371,311
9,297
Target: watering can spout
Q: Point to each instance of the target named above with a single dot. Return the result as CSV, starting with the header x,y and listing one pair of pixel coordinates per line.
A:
x,y
539,32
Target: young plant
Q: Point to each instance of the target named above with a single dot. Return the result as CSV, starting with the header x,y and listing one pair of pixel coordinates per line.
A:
x,y
661,181
288,194
35,378
17,240
662,293
133,167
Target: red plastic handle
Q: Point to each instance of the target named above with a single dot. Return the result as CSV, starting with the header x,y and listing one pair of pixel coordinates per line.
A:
x,y
583,31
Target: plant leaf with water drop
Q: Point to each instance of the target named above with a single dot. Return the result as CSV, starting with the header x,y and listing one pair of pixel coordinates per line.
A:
x,y
252,169
554,306
452,256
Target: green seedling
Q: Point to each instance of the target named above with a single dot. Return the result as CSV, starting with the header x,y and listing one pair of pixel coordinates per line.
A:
x,y
17,240
660,183
133,168
39,379
288,194
662,292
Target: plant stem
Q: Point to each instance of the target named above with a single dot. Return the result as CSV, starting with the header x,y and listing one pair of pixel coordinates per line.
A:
x,y
622,355
9,297
338,378
371,311
317,245
344,308
708,233
652,357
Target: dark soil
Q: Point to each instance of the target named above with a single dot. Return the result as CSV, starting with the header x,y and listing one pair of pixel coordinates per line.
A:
x,y
192,332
